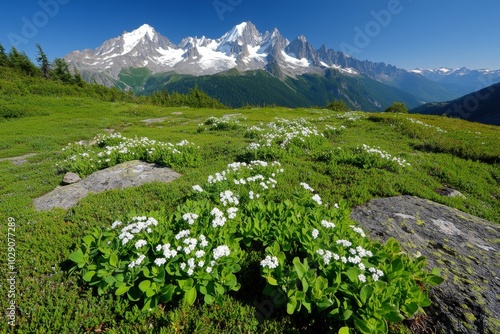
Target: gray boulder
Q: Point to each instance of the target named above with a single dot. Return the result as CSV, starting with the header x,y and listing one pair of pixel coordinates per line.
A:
x,y
466,248
70,178
128,174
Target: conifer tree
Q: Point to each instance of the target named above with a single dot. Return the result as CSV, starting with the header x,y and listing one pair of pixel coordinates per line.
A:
x,y
44,62
21,62
61,71
77,78
4,61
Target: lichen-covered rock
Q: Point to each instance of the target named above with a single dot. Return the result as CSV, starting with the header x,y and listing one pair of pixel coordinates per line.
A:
x,y
128,174
466,248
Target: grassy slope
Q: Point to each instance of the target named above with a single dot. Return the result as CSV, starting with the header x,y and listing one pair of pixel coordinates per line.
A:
x,y
237,89
465,157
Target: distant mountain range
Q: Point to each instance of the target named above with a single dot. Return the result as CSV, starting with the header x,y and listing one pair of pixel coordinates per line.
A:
x,y
461,80
245,66
481,106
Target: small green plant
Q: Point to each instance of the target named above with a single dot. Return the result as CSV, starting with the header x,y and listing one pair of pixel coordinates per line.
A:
x,y
338,105
224,123
398,108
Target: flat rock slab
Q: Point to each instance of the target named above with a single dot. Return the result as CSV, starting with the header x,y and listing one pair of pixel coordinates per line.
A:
x,y
465,247
19,160
128,174
154,120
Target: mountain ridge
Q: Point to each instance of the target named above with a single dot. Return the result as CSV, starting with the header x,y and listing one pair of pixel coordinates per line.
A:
x,y
243,48
480,106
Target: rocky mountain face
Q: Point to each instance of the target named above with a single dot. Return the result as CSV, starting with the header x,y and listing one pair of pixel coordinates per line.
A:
x,y
243,48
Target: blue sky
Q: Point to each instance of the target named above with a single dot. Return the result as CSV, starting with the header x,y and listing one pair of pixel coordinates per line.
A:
x,y
405,33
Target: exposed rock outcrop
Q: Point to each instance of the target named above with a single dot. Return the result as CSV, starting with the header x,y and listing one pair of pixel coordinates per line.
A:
x,y
128,174
465,247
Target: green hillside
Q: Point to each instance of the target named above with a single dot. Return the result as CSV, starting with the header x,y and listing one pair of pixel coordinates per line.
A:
x,y
237,89
59,289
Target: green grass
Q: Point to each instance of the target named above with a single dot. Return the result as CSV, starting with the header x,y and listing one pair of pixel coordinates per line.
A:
x,y
466,157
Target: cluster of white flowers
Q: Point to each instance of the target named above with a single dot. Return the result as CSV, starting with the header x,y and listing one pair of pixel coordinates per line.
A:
x,y
345,243
315,233
358,230
253,146
362,252
231,212
195,250
416,121
203,241
253,195
383,154
270,262
190,217
219,219
317,199
306,186
351,115
334,129
191,244
221,251
167,252
116,224
235,168
131,148
137,262
327,255
282,132
327,224
217,123
217,178
197,188
182,234
376,273
240,181
141,243
228,197
140,224
160,261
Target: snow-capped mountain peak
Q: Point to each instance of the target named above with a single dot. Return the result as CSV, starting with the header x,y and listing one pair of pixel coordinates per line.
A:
x,y
243,47
131,39
242,34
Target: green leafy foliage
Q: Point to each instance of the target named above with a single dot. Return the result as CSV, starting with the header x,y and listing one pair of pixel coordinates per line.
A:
x,y
314,256
397,108
338,105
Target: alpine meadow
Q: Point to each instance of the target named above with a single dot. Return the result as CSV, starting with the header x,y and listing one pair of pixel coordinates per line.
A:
x,y
272,146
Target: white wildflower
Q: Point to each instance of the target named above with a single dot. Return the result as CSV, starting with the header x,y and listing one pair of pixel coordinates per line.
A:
x,y
317,199
270,262
160,261
116,224
306,186
221,251
327,224
197,188
315,233
140,243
